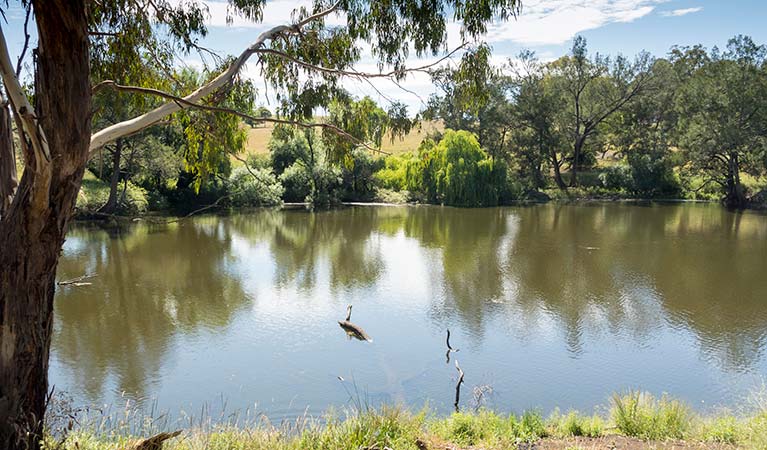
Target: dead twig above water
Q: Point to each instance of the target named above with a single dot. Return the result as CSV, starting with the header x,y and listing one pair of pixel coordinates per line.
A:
x,y
450,349
458,386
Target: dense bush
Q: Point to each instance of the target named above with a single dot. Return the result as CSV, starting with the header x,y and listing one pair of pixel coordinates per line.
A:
x,y
259,188
653,177
358,175
326,186
296,180
285,151
394,173
616,177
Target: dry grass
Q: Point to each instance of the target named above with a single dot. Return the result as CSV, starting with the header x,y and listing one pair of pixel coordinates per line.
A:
x,y
258,138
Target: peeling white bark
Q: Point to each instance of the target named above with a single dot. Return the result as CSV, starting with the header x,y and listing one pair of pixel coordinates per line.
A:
x,y
137,124
24,110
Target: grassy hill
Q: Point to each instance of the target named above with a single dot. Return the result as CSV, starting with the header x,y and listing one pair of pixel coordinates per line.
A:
x,y
258,138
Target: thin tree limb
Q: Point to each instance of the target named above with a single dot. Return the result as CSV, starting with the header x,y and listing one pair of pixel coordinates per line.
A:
x,y
184,103
458,386
76,281
354,73
131,126
26,42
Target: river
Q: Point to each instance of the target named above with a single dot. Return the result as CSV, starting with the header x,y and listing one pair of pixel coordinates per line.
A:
x,y
550,305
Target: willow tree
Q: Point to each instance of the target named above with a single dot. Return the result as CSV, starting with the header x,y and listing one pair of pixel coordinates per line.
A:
x,y
303,61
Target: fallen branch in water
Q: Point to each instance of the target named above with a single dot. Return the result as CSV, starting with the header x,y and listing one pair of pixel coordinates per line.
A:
x,y
458,385
77,281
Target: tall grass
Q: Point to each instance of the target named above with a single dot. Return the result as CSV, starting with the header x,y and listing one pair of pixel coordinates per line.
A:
x,y
634,414
639,414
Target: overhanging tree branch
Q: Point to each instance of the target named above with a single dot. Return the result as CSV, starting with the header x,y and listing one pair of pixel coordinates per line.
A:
x,y
136,124
183,103
394,74
24,110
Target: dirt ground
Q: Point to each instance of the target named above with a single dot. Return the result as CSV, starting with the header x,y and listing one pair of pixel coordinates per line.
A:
x,y
621,443
601,443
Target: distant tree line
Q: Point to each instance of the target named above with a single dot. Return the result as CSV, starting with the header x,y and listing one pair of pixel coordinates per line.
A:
x,y
691,125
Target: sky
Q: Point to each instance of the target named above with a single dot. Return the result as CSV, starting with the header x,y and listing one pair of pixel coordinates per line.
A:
x,y
545,26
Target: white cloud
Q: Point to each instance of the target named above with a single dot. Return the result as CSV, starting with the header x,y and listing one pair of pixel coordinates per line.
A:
x,y
541,22
546,22
681,12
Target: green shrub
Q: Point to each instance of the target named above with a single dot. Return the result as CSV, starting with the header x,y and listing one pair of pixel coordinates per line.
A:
x,y
394,173
725,430
531,426
259,161
616,177
325,189
575,424
284,151
388,196
458,172
297,181
259,188
357,173
640,415
653,177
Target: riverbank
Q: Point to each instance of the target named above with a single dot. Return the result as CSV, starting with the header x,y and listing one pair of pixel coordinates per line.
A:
x,y
631,421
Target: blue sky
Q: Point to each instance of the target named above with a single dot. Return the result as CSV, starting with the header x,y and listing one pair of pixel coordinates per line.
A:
x,y
545,26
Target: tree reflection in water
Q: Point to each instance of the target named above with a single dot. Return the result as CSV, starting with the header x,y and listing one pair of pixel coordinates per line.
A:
x,y
500,277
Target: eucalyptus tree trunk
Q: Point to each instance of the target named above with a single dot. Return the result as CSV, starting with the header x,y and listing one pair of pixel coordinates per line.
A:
x,y
735,196
32,231
111,205
577,155
8,179
557,172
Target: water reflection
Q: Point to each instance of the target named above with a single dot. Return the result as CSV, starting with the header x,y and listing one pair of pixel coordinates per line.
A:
x,y
152,283
587,282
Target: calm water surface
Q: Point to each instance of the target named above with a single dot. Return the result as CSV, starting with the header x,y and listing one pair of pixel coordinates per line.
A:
x,y
550,306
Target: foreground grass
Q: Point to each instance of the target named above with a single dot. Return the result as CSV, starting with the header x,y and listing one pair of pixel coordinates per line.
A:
x,y
636,420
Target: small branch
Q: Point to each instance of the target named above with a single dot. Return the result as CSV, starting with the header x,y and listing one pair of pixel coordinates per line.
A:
x,y
101,33
458,386
449,348
353,73
199,210
77,281
154,442
447,341
26,42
